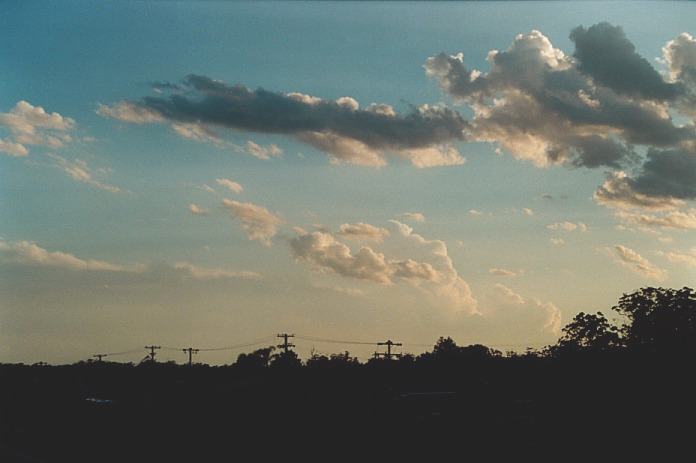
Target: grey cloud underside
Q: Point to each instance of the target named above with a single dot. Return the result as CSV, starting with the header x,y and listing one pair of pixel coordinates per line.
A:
x,y
670,173
604,52
237,107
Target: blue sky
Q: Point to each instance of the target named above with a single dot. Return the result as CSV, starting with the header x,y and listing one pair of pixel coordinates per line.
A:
x,y
115,229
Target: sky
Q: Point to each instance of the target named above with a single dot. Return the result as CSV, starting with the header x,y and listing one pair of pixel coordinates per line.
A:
x,y
210,174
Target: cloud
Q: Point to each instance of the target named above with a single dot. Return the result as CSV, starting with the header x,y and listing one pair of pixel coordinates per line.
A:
x,y
506,303
197,210
527,211
475,212
568,226
429,269
557,241
129,112
29,253
80,171
362,231
617,192
197,132
604,53
687,258
263,152
14,149
234,187
596,108
257,222
502,272
347,133
546,107
32,125
685,220
633,261
413,216
206,273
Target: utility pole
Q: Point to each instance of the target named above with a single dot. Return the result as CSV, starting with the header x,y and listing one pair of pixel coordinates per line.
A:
x,y
388,354
286,345
190,351
99,357
152,353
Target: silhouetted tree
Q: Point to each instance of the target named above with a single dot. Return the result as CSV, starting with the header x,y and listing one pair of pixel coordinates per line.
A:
x,y
255,360
589,333
660,320
285,360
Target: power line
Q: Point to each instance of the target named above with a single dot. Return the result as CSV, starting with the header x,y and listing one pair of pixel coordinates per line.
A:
x,y
152,353
190,351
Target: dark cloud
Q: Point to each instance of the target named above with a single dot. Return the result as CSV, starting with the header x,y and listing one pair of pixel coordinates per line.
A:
x,y
338,127
668,173
604,52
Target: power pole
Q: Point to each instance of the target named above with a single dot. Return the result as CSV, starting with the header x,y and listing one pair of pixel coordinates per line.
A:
x,y
286,345
190,351
99,357
152,352
388,354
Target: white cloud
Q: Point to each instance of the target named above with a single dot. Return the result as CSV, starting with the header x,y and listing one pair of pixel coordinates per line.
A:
x,y
506,303
502,272
197,132
29,253
414,216
557,241
683,220
527,211
257,222
32,125
128,112
207,273
633,261
475,212
80,171
362,231
568,226
234,187
197,210
688,257
263,152
428,268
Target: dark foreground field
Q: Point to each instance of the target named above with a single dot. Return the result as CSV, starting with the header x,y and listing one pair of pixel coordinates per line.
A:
x,y
604,392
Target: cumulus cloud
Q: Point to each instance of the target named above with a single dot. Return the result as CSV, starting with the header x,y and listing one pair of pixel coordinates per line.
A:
x,y
546,107
557,241
475,212
413,216
362,231
431,271
33,125
506,303
340,128
633,261
502,272
234,187
595,108
257,222
568,226
80,171
197,210
527,211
